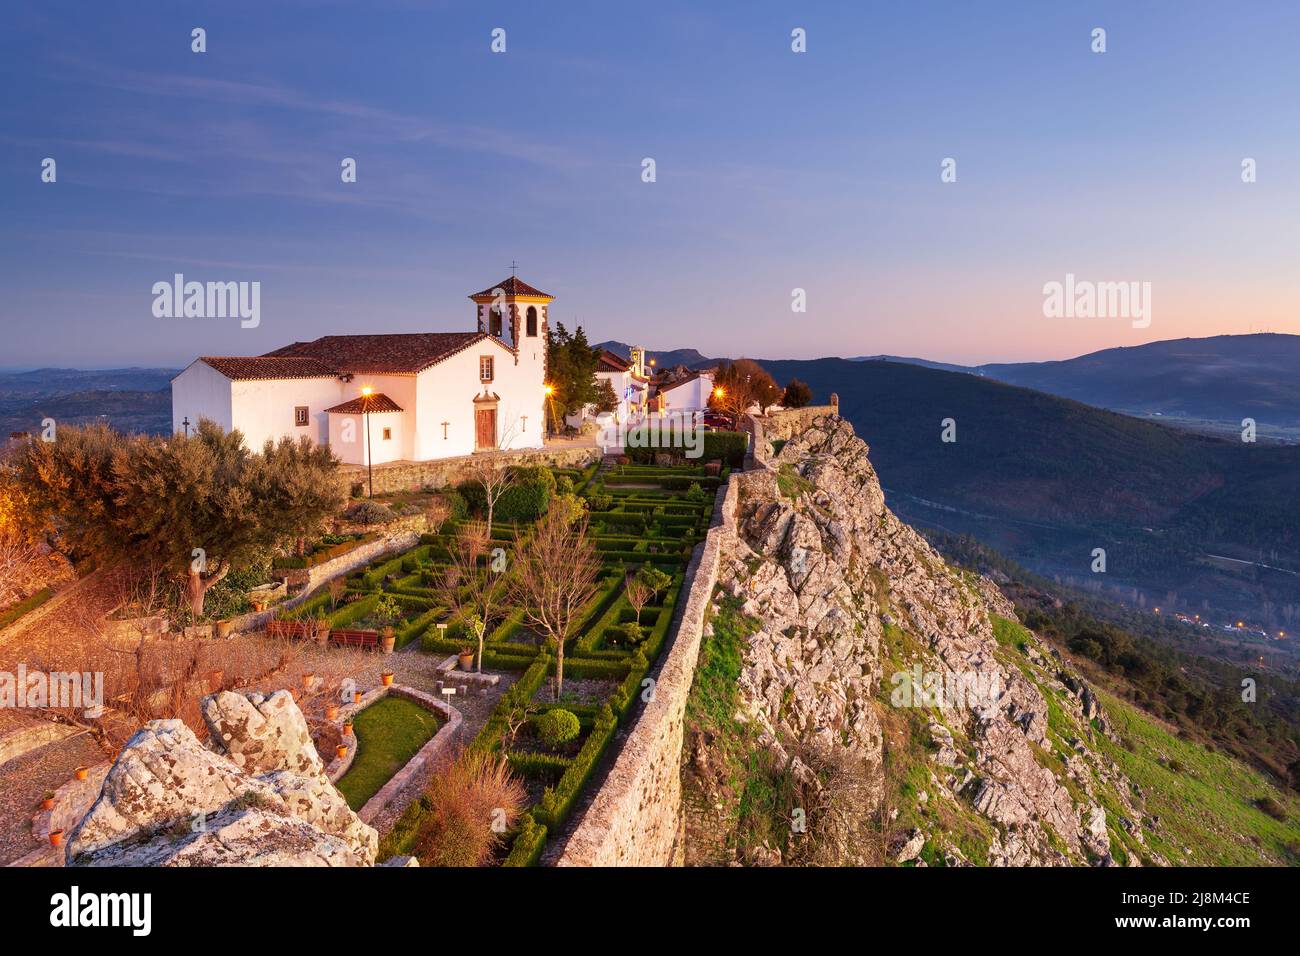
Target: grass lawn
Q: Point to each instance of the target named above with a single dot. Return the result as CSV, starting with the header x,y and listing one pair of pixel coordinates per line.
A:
x,y
389,733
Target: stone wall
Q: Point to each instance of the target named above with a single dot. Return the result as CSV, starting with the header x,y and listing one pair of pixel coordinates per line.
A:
x,y
414,475
784,424
635,818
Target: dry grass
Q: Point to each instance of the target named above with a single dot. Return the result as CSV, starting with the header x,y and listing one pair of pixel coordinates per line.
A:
x,y
467,811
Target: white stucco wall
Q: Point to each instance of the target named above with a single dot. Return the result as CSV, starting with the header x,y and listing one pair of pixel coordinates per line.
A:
x,y
264,409
445,393
200,391
691,397
347,437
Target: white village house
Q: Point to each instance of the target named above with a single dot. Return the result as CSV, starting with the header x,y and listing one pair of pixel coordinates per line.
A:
x,y
423,395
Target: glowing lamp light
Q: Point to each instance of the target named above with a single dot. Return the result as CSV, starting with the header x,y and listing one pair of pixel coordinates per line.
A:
x,y
367,391
718,391
550,389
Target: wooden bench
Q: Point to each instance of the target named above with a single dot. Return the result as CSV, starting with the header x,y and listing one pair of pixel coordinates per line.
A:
x,y
294,630
346,638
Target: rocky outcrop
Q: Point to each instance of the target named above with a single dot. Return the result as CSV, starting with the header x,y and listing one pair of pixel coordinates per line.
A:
x,y
862,633
257,797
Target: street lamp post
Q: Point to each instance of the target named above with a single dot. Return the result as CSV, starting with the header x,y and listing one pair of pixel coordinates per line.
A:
x,y
365,413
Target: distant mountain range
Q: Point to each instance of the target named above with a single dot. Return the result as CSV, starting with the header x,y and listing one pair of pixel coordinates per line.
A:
x,y
1208,383
1047,480
130,399
1224,378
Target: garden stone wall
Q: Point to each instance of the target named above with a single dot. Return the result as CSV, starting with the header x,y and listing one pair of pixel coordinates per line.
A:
x,y
414,475
635,818
318,575
784,424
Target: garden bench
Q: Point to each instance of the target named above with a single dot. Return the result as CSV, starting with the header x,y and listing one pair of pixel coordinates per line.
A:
x,y
346,638
294,630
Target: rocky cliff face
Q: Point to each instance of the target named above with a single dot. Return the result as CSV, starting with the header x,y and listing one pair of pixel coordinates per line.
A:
x,y
258,797
869,666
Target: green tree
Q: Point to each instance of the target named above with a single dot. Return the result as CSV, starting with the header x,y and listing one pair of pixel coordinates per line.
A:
x,y
797,394
571,372
197,506
292,481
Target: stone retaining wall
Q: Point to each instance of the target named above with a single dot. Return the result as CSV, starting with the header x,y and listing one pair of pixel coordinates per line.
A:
x,y
414,475
783,425
635,819
432,751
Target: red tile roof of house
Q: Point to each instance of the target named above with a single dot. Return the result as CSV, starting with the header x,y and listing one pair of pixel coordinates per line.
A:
x,y
512,286
268,366
397,353
378,402
612,363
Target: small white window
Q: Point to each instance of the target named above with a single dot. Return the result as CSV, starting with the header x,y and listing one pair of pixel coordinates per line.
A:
x,y
301,416
485,368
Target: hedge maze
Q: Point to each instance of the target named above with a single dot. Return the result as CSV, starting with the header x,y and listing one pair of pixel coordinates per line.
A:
x,y
639,516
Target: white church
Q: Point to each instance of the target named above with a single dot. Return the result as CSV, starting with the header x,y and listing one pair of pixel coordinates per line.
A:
x,y
380,398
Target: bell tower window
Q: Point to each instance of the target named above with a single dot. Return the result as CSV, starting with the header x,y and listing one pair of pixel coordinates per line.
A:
x,y
532,321
494,322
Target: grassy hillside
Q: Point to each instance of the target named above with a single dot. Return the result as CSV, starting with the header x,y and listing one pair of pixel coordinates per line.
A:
x,y
1047,480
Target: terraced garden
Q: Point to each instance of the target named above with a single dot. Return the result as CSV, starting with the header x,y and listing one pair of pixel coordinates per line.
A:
x,y
640,517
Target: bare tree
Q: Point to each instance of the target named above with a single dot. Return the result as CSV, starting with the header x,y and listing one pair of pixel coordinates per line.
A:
x,y
638,593
487,469
554,576
473,585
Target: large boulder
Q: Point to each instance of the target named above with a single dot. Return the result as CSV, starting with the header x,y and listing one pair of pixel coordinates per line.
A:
x,y
257,797
262,734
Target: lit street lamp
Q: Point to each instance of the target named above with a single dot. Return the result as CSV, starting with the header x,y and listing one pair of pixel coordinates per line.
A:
x,y
365,413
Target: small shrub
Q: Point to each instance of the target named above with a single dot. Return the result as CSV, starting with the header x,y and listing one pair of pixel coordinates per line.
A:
x,y
600,502
1272,808
695,492
556,727
369,512
564,485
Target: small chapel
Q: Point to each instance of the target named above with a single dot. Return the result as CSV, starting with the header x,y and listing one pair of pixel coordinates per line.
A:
x,y
378,398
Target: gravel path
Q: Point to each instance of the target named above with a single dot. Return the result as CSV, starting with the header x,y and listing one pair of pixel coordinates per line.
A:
x,y
24,782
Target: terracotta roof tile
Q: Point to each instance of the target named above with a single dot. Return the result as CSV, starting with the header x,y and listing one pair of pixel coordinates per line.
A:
x,y
398,353
378,402
611,362
275,366
512,286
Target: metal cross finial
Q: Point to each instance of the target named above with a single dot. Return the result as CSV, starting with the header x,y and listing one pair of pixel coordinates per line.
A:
x,y
513,266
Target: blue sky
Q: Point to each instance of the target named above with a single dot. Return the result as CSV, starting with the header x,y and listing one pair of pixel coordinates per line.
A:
x,y
775,171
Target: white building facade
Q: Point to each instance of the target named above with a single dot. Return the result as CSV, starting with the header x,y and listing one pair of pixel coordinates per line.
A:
x,y
383,398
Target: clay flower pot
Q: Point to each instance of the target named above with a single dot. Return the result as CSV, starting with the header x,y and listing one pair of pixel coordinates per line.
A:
x,y
347,729
223,629
81,773
341,751
48,802
387,641
466,659
56,838
356,697
308,681
332,712
387,678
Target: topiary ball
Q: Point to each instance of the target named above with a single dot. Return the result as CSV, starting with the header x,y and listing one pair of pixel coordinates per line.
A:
x,y
557,727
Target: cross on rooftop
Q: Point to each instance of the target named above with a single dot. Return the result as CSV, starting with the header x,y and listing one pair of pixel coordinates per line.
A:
x,y
513,266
